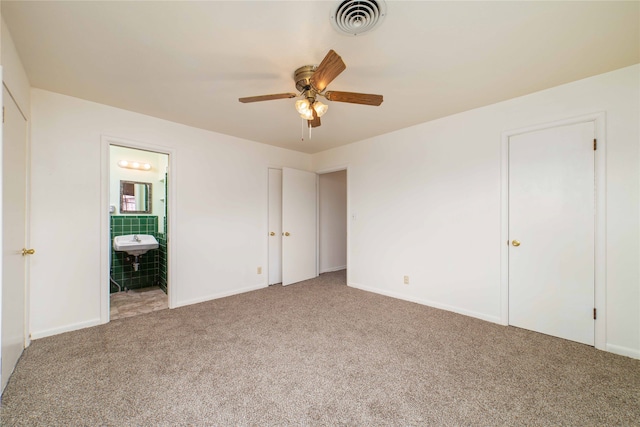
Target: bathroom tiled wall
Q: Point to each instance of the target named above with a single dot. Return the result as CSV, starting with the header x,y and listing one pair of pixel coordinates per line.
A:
x,y
162,244
162,261
148,273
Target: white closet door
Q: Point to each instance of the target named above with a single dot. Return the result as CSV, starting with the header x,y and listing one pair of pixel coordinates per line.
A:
x,y
552,231
275,226
14,162
299,198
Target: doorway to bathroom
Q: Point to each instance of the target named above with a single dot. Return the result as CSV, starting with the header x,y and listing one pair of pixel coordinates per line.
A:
x,y
138,231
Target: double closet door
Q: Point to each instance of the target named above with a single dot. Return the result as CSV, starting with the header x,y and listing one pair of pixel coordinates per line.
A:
x,y
292,226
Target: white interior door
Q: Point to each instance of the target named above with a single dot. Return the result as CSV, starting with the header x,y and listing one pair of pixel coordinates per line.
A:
x,y
552,231
14,156
299,199
275,226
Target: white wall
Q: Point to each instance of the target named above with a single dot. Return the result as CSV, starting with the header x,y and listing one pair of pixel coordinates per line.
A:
x,y
427,202
220,232
13,74
333,221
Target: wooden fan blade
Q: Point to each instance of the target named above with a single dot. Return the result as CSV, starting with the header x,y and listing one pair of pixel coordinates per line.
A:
x,y
316,120
330,67
267,97
354,98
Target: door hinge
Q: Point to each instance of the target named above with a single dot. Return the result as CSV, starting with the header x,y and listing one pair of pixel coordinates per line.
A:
x,y
594,314
595,144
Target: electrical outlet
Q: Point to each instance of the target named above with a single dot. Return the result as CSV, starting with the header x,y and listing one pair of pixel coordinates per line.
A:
x,y
406,280
259,270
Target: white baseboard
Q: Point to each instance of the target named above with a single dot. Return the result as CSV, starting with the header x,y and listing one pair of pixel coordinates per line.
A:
x,y
623,351
95,322
68,328
434,304
220,295
332,269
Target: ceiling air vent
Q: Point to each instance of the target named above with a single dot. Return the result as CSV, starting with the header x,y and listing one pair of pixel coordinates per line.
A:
x,y
353,17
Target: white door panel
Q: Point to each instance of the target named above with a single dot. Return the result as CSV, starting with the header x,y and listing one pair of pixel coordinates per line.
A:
x,y
275,226
551,215
299,198
14,188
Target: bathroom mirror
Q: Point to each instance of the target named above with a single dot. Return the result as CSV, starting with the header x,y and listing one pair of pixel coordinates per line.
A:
x,y
135,197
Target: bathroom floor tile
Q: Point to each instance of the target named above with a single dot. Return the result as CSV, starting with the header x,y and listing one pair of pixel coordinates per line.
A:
x,y
137,301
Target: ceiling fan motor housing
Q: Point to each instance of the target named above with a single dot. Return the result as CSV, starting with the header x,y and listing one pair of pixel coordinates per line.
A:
x,y
302,77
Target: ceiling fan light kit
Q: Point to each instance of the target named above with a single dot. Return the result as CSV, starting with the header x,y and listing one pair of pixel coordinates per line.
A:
x,y
312,81
320,108
304,107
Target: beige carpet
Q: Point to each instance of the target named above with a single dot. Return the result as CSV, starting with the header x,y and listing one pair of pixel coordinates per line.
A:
x,y
316,353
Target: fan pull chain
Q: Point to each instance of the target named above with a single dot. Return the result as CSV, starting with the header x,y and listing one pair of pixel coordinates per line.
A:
x,y
302,129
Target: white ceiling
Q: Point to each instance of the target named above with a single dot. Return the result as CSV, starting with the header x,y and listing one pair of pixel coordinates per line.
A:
x,y
189,62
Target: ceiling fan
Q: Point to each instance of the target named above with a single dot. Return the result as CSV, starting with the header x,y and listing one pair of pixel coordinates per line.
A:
x,y
312,81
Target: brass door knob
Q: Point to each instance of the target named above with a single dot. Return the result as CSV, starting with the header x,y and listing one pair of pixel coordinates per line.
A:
x,y
272,234
515,242
28,251
287,234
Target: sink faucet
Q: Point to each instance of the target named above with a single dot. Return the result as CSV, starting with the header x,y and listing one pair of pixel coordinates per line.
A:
x,y
136,238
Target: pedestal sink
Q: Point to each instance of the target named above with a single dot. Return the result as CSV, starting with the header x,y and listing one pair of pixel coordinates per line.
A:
x,y
135,244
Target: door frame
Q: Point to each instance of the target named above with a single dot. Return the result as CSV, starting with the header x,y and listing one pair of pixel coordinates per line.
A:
x,y
105,236
599,120
344,167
